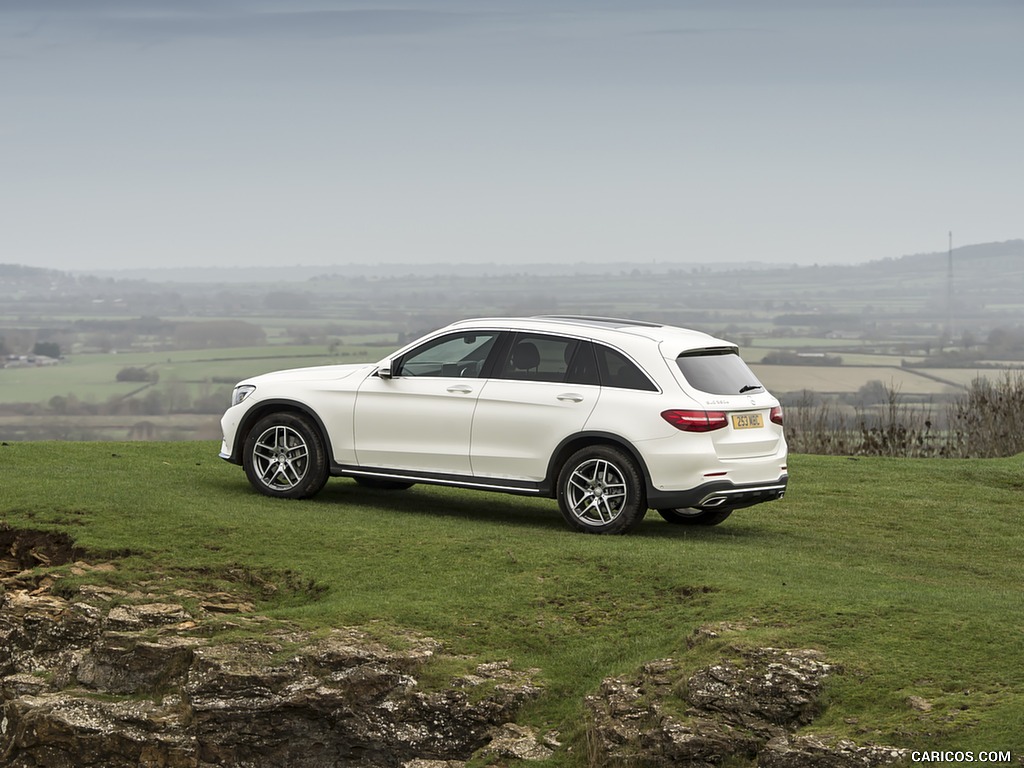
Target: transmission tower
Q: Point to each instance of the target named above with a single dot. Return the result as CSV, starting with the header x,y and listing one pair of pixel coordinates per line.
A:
x,y
949,293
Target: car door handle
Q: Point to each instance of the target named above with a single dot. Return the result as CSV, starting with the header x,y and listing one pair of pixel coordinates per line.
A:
x,y
461,389
570,397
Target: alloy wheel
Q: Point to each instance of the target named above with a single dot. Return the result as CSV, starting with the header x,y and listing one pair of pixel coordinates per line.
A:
x,y
596,492
280,458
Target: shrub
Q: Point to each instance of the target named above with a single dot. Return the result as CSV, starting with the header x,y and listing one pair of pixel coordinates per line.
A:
x,y
137,374
46,349
987,421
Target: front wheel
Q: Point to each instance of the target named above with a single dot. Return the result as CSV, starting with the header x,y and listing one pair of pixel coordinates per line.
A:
x,y
690,516
600,490
284,457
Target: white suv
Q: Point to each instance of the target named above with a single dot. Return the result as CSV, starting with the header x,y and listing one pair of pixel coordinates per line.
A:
x,y
611,417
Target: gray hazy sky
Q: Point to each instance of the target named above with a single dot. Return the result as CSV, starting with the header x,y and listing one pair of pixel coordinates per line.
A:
x,y
227,132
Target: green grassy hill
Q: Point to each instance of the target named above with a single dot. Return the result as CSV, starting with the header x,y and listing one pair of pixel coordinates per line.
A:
x,y
905,573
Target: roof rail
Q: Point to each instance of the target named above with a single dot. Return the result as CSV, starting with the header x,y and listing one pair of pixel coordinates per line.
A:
x,y
595,320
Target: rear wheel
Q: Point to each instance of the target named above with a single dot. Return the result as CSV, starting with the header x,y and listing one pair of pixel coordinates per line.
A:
x,y
284,457
600,490
690,516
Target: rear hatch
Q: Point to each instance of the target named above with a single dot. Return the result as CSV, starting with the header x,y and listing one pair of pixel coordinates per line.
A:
x,y
734,399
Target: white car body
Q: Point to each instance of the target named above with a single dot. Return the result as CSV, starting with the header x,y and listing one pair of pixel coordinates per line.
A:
x,y
471,405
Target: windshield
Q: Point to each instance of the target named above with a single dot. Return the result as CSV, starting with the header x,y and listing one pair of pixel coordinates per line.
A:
x,y
718,372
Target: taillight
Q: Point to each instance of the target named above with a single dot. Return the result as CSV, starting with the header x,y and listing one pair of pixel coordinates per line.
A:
x,y
696,421
776,415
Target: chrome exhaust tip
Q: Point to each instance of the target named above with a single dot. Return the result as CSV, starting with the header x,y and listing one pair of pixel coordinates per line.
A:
x,y
711,502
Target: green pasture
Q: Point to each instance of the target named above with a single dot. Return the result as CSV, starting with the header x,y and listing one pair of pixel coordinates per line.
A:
x,y
906,574
87,379
93,378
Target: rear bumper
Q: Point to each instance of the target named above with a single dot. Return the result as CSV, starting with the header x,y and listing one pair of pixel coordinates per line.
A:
x,y
720,494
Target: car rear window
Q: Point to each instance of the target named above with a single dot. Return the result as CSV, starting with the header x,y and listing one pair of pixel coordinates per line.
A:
x,y
718,372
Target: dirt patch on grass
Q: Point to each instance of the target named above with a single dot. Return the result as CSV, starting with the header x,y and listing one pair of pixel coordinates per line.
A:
x,y
22,549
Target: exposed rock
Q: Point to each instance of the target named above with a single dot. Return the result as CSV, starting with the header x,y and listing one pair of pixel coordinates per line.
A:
x,y
133,618
740,709
812,752
768,690
919,703
100,681
517,742
123,663
62,730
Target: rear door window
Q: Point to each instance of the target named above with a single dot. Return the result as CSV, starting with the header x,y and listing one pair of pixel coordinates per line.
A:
x,y
718,372
537,357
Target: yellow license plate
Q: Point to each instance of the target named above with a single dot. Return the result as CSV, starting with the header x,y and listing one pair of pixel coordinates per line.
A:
x,y
747,421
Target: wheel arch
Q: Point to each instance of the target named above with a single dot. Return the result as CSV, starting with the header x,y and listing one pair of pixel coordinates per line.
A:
x,y
257,412
571,444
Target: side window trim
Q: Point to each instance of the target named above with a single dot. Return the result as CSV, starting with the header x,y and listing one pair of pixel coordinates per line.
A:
x,y
499,351
573,374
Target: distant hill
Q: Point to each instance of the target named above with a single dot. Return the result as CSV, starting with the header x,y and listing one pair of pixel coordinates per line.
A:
x,y
998,260
302,273
992,257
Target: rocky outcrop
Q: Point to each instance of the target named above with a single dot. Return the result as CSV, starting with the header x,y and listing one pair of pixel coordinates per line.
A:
x,y
109,697
746,708
112,678
816,752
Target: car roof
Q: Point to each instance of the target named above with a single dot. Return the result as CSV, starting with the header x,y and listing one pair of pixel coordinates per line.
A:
x,y
672,339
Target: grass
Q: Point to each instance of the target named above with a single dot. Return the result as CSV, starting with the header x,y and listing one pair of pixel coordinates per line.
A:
x,y
906,573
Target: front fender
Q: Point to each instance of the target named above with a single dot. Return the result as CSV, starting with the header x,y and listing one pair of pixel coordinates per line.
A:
x,y
233,453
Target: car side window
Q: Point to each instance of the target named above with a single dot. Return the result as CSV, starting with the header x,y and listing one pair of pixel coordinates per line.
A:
x,y
460,355
619,371
537,357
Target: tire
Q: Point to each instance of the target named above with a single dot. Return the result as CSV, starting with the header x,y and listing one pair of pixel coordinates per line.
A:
x,y
600,490
379,484
691,516
284,457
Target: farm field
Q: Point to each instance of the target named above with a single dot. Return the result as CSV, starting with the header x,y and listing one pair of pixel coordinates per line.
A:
x,y
842,379
94,377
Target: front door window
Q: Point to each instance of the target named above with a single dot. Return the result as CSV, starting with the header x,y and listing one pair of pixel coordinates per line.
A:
x,y
460,355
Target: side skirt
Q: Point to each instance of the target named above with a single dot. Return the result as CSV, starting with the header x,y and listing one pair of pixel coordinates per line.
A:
x,y
501,485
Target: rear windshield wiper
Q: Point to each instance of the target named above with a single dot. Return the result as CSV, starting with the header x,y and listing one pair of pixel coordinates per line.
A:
x,y
750,387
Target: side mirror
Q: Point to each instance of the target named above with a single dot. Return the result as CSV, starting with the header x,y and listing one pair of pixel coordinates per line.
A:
x,y
384,372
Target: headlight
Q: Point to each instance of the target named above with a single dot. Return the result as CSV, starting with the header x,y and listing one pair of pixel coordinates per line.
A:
x,y
241,392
